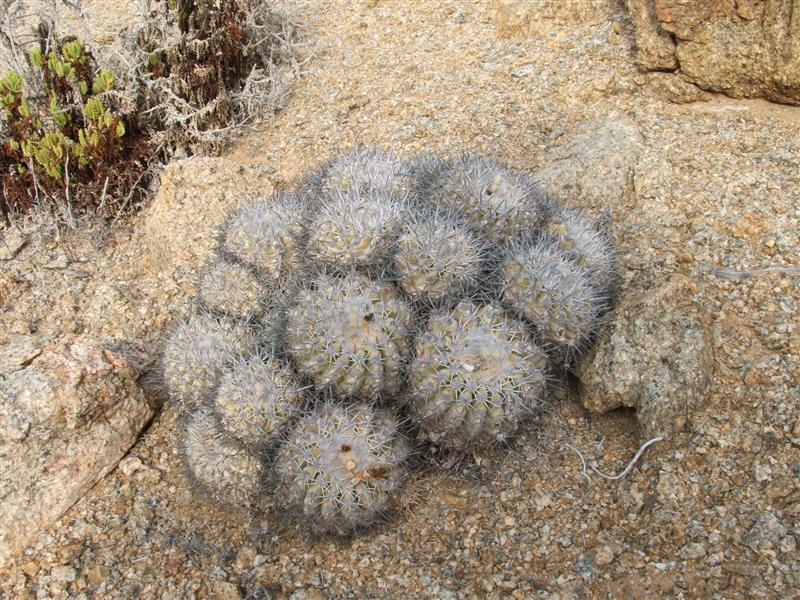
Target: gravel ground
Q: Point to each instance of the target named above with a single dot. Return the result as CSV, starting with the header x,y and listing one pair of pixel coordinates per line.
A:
x,y
711,513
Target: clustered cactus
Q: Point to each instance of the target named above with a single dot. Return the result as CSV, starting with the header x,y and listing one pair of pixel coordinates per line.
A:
x,y
381,304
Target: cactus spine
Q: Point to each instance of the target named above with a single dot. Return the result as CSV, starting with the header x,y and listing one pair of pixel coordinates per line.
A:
x,y
350,334
437,258
342,466
226,471
198,351
543,285
257,399
476,375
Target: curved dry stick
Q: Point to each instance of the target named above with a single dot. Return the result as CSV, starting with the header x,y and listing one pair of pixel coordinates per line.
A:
x,y
627,469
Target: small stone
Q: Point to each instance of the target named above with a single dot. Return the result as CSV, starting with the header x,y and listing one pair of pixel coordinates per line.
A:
x,y
10,246
67,553
765,534
30,568
58,264
308,594
543,501
524,71
97,574
245,559
763,473
224,590
585,567
604,555
788,544
64,573
130,464
693,551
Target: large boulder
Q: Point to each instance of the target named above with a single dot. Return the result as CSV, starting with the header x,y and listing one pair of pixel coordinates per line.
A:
x,y
594,167
180,227
747,48
69,411
656,357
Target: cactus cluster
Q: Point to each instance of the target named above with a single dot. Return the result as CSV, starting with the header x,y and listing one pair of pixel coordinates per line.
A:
x,y
382,304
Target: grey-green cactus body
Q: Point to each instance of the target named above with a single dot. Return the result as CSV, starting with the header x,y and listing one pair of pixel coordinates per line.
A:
x,y
364,170
258,398
498,203
233,289
197,352
546,287
224,470
438,258
350,335
582,239
476,375
355,228
267,235
342,466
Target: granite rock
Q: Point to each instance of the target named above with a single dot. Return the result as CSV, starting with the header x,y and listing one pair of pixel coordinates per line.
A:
x,y
655,357
749,48
69,414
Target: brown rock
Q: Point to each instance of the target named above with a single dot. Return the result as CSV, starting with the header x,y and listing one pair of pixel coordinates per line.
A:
x,y
655,48
87,409
749,48
97,574
180,226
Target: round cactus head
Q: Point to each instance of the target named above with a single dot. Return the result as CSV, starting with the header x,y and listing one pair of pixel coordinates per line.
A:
x,y
365,170
438,258
233,289
342,466
266,235
350,335
476,376
583,240
355,228
198,351
498,203
219,467
546,287
257,399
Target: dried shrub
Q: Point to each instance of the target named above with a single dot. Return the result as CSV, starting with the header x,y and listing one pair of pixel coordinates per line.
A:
x,y
202,68
85,127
